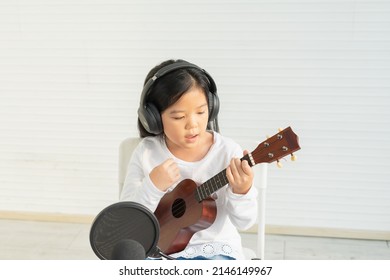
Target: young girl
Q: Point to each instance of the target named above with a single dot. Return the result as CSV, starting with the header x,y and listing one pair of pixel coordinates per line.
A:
x,y
177,120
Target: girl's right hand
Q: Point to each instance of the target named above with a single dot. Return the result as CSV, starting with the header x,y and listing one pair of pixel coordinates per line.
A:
x,y
165,175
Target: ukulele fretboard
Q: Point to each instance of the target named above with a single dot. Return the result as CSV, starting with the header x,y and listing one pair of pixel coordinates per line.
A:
x,y
210,186
215,183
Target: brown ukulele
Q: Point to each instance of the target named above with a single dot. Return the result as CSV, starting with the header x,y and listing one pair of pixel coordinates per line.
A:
x,y
189,208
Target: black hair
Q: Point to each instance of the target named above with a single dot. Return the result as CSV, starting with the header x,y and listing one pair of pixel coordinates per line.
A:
x,y
167,89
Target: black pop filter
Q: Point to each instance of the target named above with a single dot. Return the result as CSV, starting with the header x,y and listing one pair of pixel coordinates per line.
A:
x,y
124,221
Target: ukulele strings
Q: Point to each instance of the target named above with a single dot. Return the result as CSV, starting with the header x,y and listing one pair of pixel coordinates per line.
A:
x,y
179,208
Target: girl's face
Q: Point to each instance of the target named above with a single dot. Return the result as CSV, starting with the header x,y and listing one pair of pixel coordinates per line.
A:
x,y
185,122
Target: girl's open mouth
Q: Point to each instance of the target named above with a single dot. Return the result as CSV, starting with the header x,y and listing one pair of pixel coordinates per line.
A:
x,y
191,138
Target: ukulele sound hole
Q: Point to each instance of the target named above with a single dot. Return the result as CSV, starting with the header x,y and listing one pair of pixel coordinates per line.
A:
x,y
178,208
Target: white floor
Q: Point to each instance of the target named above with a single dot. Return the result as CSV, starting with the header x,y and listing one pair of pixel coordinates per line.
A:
x,y
65,241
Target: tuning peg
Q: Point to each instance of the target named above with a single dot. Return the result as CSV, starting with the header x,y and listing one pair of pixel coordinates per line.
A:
x,y
279,164
280,129
293,157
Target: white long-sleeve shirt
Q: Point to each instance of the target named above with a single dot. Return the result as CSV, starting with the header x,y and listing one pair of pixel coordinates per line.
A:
x,y
234,211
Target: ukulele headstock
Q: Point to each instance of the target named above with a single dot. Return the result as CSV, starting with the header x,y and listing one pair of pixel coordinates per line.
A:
x,y
283,143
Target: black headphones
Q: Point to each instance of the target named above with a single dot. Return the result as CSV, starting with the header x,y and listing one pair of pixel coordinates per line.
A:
x,y
149,115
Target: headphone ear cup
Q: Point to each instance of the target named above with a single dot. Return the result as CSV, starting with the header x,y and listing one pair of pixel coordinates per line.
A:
x,y
150,118
213,106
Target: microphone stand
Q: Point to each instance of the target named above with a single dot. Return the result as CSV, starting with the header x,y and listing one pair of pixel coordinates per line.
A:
x,y
157,253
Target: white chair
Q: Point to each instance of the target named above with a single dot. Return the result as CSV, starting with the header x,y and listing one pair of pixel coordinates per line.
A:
x,y
126,149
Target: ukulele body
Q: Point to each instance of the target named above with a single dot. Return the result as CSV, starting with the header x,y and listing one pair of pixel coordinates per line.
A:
x,y
180,216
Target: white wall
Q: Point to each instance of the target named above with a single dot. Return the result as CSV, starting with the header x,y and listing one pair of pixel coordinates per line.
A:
x,y
71,73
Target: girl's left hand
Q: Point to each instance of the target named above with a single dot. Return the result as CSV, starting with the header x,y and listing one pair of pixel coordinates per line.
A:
x,y
240,175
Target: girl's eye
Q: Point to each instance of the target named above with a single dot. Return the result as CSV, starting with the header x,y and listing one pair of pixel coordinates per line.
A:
x,y
178,118
200,113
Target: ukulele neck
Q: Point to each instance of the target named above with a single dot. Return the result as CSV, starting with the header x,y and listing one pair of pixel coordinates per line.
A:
x,y
274,148
218,181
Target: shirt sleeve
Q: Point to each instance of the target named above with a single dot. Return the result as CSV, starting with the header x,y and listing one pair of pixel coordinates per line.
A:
x,y
242,208
138,186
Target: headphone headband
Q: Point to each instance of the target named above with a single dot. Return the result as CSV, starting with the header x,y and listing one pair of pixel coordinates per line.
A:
x,y
170,68
148,113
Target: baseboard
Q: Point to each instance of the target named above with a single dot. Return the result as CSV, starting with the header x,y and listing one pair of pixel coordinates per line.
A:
x,y
324,232
46,217
269,229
